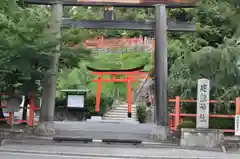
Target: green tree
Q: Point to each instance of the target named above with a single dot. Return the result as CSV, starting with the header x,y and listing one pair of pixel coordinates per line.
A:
x,y
27,48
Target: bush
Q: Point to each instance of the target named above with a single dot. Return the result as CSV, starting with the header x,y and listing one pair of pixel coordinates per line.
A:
x,y
221,123
60,102
214,123
141,113
186,124
90,103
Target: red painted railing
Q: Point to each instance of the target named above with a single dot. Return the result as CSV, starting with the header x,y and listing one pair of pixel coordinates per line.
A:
x,y
30,117
175,116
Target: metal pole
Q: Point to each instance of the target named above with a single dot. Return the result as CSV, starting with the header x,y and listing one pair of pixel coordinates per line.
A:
x,y
161,66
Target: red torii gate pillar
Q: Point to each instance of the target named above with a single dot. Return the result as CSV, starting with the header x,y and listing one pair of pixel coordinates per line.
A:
x,y
130,75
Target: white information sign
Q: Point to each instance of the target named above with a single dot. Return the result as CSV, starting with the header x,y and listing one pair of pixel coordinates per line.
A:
x,y
75,101
237,125
13,105
203,103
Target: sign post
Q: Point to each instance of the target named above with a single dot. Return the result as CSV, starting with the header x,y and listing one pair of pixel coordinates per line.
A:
x,y
237,125
75,99
203,103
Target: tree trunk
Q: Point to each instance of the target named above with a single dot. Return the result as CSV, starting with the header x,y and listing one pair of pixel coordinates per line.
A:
x,y
45,126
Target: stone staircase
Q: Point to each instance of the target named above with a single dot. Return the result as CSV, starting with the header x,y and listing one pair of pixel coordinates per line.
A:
x,y
119,112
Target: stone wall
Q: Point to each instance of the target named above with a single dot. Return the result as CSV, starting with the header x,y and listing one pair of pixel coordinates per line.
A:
x,y
145,88
203,138
6,133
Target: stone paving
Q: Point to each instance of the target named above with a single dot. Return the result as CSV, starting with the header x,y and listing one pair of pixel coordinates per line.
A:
x,y
100,130
118,152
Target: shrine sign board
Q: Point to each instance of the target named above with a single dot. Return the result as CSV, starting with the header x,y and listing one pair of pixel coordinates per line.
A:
x,y
75,101
75,97
13,104
203,94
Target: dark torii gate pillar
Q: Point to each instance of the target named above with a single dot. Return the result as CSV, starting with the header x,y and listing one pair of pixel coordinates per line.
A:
x,y
161,66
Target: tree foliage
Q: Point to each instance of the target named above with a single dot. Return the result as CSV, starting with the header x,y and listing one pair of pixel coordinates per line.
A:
x,y
191,55
82,78
215,57
27,47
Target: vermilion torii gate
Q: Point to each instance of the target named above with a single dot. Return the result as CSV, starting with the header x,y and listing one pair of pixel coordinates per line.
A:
x,y
160,25
130,75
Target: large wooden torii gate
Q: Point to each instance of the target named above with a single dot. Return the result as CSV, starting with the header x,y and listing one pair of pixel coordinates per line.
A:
x,y
130,75
161,25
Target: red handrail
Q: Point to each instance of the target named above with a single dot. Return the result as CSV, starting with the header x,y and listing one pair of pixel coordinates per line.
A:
x,y
30,120
175,117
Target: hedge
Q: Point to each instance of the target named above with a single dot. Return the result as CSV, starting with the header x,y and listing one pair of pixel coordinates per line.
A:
x,y
141,113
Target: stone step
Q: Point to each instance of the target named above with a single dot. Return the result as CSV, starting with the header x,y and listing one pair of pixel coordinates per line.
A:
x,y
118,115
124,106
119,112
123,109
116,118
121,115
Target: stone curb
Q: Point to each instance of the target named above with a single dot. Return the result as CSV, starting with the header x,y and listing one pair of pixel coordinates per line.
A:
x,y
11,130
105,140
101,155
97,143
84,142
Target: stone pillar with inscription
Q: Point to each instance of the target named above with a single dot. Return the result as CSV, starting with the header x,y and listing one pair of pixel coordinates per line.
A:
x,y
202,136
203,93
